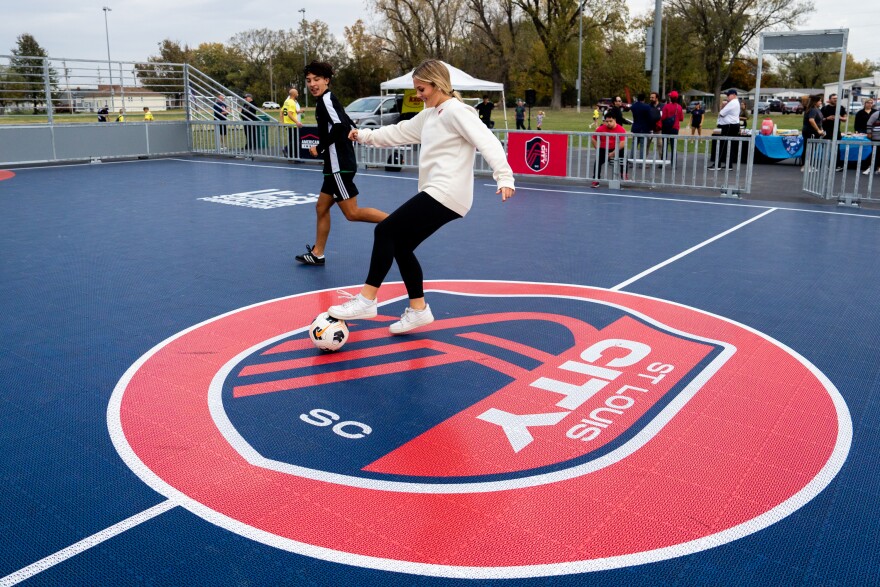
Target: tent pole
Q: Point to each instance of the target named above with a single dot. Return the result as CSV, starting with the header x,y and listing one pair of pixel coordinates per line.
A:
x,y
504,106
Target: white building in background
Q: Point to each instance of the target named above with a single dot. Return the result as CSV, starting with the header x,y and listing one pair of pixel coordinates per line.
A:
x,y
133,99
866,86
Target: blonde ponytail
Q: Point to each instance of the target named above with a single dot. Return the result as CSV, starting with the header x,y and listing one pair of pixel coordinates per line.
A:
x,y
435,72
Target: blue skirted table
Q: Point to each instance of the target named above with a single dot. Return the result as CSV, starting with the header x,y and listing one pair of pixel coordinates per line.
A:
x,y
773,148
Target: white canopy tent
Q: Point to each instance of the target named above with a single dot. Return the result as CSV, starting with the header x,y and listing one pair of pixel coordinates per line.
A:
x,y
461,81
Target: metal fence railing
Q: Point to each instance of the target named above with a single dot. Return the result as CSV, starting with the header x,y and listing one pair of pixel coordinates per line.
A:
x,y
849,173
40,90
712,163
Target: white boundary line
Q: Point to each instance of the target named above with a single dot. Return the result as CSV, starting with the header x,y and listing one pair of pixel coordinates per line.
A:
x,y
85,544
297,167
623,284
695,201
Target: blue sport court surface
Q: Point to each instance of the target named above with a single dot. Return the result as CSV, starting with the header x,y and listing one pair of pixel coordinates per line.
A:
x,y
620,388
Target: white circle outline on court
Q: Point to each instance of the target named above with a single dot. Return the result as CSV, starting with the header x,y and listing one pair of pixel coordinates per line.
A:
x,y
810,490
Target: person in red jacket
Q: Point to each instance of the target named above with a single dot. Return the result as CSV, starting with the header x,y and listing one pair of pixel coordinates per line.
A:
x,y
609,137
671,117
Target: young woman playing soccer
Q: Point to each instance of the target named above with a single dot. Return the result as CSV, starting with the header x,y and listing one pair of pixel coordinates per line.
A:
x,y
450,134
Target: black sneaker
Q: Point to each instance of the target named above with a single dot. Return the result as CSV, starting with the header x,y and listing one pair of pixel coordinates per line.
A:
x,y
310,258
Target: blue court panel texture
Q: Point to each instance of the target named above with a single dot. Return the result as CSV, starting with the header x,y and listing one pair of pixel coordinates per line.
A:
x,y
158,388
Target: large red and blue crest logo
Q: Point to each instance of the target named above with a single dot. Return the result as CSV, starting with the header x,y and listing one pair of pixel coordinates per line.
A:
x,y
537,153
532,429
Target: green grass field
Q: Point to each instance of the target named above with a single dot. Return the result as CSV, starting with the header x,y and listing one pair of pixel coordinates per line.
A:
x,y
565,119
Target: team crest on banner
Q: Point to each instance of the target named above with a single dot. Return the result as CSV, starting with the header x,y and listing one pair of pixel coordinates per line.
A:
x,y
533,429
537,154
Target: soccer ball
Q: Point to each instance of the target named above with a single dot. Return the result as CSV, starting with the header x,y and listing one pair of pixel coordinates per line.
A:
x,y
328,333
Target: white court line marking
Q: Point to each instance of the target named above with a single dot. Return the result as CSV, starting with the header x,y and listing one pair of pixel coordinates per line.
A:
x,y
85,544
689,251
694,201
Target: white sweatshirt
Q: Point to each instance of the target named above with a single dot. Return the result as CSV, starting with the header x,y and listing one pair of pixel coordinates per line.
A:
x,y
449,134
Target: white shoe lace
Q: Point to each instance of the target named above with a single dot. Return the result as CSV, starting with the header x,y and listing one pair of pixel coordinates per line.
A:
x,y
408,315
352,299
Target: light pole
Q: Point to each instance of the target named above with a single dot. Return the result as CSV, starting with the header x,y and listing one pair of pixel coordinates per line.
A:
x,y
305,56
107,9
658,26
580,51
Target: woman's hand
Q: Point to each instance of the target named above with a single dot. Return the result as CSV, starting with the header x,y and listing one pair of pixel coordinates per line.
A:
x,y
313,151
353,134
505,193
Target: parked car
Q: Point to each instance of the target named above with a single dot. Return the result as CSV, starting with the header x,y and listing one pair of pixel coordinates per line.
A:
x,y
777,106
763,107
693,104
271,105
792,108
375,110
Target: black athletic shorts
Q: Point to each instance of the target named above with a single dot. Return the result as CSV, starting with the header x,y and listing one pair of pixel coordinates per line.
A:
x,y
340,186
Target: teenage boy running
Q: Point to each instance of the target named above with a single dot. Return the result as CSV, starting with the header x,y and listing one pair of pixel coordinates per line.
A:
x,y
340,164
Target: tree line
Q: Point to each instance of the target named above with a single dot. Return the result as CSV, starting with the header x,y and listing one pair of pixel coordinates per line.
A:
x,y
708,45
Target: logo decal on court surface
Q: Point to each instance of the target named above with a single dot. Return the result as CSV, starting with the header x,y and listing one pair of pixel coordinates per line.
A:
x,y
4,174
264,199
548,428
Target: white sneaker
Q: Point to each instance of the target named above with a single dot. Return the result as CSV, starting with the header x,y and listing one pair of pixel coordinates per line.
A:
x,y
356,308
867,171
411,319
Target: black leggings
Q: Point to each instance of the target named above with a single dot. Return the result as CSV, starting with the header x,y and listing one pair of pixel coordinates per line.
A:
x,y
397,237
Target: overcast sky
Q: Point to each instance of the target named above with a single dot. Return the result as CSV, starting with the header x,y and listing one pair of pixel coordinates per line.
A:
x,y
76,30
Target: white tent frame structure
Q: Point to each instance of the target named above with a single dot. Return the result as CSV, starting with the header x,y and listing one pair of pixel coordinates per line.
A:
x,y
820,41
461,81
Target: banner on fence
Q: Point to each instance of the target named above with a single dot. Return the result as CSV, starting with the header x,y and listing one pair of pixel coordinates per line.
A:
x,y
538,153
308,137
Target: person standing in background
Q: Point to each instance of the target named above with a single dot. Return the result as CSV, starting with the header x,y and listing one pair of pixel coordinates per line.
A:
x,y
643,124
697,119
812,127
616,111
249,113
520,113
671,117
829,112
221,111
862,116
728,121
484,109
290,116
148,116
